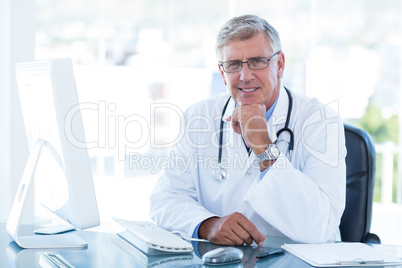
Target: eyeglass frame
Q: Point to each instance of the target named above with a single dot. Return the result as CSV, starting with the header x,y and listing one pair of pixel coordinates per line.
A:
x,y
248,64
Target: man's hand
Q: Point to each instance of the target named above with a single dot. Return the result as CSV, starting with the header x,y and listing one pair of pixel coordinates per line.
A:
x,y
234,229
251,122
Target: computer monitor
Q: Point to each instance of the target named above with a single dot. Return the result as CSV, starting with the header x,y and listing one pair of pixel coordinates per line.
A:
x,y
53,122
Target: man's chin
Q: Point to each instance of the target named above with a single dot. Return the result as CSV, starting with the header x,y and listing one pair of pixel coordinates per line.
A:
x,y
248,101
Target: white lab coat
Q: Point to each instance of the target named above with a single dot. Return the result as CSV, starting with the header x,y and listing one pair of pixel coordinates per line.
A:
x,y
302,199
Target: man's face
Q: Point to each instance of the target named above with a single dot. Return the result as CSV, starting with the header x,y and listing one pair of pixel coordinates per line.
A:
x,y
253,86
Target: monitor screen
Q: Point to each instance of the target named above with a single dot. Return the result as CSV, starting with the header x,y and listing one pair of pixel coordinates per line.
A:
x,y
52,119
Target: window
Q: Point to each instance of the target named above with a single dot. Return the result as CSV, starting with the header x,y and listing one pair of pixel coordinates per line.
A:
x,y
140,63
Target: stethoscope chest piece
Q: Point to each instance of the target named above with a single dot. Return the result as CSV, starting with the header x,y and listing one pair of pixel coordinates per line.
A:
x,y
219,174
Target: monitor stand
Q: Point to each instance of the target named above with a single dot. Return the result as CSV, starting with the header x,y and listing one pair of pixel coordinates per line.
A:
x,y
66,240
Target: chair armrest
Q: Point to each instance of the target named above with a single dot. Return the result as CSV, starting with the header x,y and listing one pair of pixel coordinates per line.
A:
x,y
372,239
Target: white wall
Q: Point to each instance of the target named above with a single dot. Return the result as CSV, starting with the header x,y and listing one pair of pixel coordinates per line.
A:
x,y
17,42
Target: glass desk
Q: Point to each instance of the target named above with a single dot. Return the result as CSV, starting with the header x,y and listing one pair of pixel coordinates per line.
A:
x,y
105,250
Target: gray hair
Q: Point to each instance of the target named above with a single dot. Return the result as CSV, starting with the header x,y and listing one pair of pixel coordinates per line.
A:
x,y
243,28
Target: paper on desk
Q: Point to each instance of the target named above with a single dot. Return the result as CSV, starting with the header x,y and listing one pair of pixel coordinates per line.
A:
x,y
330,254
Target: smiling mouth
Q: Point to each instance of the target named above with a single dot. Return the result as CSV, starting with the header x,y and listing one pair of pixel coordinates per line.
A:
x,y
248,89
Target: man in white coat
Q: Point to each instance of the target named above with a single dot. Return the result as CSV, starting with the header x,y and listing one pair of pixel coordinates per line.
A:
x,y
266,189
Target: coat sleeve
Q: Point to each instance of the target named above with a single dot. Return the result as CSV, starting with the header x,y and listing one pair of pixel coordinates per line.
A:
x,y
306,203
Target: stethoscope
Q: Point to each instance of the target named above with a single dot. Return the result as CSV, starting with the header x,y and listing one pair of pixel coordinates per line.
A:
x,y
220,173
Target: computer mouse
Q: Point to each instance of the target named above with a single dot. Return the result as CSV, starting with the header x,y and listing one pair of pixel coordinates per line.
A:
x,y
223,255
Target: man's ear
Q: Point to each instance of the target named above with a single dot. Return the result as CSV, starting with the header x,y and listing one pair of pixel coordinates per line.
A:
x,y
222,74
281,64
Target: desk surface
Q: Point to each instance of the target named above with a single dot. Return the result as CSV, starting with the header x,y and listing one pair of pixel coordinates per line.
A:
x,y
104,251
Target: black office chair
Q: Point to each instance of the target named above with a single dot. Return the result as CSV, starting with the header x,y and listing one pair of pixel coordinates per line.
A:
x,y
360,178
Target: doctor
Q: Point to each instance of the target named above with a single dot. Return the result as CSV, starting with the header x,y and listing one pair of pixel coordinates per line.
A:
x,y
258,191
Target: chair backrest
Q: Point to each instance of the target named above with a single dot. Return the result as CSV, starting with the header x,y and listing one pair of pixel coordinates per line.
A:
x,y
360,178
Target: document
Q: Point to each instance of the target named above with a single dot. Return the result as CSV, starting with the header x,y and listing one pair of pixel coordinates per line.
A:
x,y
341,255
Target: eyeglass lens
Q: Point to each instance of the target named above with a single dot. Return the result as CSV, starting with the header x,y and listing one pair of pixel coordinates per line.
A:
x,y
256,63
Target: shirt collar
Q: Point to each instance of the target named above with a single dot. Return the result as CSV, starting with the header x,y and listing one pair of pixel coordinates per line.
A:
x,y
272,108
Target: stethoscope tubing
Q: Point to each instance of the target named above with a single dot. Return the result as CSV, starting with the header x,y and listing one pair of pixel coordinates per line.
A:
x,y
286,128
221,131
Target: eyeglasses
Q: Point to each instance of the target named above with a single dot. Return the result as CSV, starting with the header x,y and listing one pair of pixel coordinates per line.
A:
x,y
256,63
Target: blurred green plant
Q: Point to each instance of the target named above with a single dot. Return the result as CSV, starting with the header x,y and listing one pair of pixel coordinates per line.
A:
x,y
381,130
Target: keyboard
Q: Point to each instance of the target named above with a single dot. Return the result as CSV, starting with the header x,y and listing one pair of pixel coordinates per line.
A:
x,y
152,239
